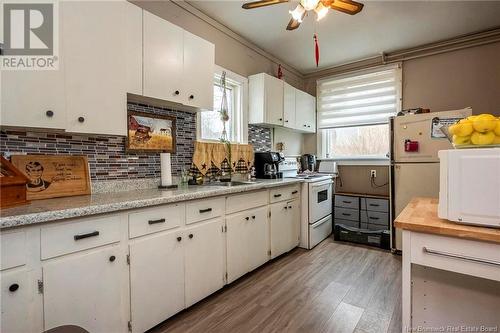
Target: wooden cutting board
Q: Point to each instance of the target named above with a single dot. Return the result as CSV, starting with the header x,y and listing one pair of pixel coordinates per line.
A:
x,y
52,176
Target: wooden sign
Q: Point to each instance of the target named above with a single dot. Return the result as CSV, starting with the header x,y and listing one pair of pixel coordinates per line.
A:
x,y
52,176
12,185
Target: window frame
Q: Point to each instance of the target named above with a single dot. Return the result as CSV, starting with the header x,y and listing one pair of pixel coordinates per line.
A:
x,y
240,106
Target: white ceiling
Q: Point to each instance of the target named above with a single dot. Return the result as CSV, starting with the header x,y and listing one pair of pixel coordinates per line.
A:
x,y
382,26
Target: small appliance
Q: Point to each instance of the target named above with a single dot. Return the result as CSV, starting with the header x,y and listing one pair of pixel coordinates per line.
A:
x,y
469,186
267,165
308,162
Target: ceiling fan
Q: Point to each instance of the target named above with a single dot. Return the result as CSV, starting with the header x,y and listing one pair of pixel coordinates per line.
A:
x,y
320,7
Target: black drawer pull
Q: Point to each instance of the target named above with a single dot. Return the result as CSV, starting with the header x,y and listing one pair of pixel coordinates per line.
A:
x,y
13,287
253,217
277,195
112,258
191,236
90,234
286,207
205,210
157,221
290,207
247,218
191,96
374,218
49,113
179,239
177,92
346,214
81,119
295,192
374,205
347,202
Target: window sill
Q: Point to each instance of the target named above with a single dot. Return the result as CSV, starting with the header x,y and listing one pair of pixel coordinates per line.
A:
x,y
358,160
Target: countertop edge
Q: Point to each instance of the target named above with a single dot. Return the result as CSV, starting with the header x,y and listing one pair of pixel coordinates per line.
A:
x,y
80,212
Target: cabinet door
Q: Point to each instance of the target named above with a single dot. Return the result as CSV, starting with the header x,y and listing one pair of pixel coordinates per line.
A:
x,y
156,279
281,232
88,290
289,105
257,234
198,73
19,295
163,59
237,256
273,100
33,98
95,49
294,218
204,260
305,112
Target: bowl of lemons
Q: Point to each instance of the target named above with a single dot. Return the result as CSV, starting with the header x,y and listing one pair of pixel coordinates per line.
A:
x,y
474,132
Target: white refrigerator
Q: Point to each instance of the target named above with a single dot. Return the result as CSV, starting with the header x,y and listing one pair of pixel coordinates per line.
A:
x,y
415,169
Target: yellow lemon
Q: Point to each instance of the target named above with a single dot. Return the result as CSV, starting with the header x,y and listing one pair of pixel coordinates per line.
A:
x,y
478,138
484,123
471,118
452,129
464,128
497,140
497,128
461,140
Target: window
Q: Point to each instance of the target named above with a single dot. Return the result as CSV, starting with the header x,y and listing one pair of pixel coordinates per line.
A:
x,y
354,111
210,124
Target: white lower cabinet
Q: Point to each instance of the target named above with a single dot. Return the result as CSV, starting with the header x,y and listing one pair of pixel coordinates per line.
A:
x,y
87,289
204,260
247,241
19,295
156,279
285,224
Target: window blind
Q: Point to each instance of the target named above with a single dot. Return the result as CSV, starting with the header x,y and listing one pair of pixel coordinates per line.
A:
x,y
367,98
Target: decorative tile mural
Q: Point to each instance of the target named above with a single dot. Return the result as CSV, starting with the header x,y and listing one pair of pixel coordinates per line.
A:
x,y
106,154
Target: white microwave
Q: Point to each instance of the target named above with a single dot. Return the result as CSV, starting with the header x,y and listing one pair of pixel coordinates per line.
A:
x,y
469,189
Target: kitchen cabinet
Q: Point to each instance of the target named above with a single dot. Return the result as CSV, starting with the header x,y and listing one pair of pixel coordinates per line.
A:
x,y
96,73
19,295
156,278
285,227
305,116
289,106
204,260
247,241
87,289
178,66
265,100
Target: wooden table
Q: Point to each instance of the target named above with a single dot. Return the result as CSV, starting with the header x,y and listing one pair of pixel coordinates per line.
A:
x,y
429,241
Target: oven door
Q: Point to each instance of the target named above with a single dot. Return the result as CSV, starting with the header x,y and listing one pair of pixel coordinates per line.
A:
x,y
320,200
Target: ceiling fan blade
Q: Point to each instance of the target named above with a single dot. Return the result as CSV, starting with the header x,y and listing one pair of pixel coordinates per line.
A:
x,y
293,24
346,6
262,3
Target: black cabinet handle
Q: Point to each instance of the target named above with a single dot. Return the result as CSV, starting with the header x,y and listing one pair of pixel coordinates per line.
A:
x,y
179,239
374,205
13,287
286,121
191,96
374,218
347,202
253,217
277,195
112,258
177,92
205,210
290,207
81,119
157,221
286,207
295,192
90,234
305,125
49,113
247,218
281,119
191,236
345,214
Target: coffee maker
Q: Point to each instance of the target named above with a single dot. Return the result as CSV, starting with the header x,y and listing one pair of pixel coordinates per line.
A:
x,y
267,165
308,162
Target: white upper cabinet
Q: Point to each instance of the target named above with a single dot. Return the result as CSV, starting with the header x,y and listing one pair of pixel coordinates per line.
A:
x,y
305,112
266,100
289,106
163,59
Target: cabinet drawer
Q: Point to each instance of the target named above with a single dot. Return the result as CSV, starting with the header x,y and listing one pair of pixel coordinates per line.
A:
x,y
284,193
378,205
239,202
379,218
79,235
346,201
13,247
346,214
354,224
457,255
155,219
372,227
204,209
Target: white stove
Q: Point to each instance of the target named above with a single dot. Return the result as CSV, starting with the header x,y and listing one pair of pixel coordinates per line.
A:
x,y
316,203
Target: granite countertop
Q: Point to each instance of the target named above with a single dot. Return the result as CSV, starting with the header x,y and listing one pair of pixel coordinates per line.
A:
x,y
421,215
49,210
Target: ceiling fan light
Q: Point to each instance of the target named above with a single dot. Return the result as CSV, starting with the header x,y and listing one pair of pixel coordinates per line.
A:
x,y
309,4
298,13
321,11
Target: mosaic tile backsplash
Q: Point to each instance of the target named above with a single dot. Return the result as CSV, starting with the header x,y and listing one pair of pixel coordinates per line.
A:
x,y
106,154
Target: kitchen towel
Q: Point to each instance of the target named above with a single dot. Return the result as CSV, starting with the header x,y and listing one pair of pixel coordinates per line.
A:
x,y
166,169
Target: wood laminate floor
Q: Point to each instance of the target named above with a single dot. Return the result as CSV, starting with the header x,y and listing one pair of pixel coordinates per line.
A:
x,y
336,287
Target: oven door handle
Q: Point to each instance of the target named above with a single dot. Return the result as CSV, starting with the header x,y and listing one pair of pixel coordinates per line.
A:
x,y
328,182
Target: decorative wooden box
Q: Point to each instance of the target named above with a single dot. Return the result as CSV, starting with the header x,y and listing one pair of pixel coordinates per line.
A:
x,y
12,185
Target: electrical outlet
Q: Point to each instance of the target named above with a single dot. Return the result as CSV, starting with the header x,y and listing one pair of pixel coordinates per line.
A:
x,y
373,174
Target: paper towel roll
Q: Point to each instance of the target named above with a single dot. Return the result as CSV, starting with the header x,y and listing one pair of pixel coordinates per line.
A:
x,y
166,169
